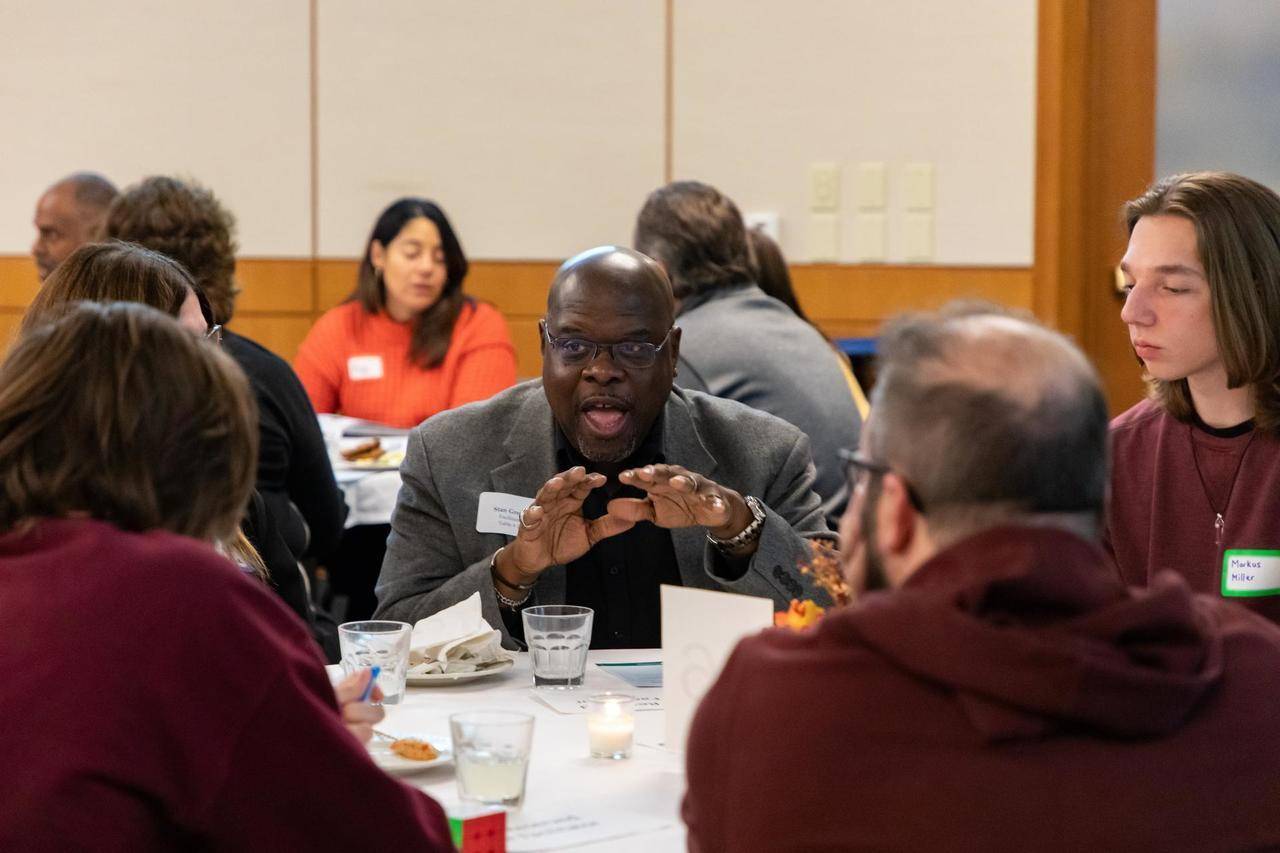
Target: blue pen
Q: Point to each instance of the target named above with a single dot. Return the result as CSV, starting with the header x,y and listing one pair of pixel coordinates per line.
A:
x,y
368,688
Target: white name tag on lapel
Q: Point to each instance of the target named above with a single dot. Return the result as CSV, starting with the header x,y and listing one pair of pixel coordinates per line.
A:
x,y
1247,573
364,367
500,513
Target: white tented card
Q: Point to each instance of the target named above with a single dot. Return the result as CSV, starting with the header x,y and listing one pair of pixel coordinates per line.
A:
x,y
364,367
700,627
1248,573
500,513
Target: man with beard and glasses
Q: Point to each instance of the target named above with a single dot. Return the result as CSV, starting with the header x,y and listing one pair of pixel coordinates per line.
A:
x,y
615,482
1004,691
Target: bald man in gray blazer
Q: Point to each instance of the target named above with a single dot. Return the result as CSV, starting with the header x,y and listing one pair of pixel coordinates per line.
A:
x,y
601,481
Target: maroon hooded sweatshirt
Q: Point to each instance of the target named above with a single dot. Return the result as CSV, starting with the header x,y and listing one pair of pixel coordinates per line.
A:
x,y
1011,695
155,698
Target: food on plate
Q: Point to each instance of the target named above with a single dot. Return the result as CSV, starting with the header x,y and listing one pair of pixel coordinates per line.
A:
x,y
370,449
414,749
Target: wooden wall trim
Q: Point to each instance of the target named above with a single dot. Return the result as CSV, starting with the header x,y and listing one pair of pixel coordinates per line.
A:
x,y
1061,87
282,297
1095,148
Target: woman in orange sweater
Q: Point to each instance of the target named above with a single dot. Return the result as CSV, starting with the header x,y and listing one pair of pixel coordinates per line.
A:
x,y
407,343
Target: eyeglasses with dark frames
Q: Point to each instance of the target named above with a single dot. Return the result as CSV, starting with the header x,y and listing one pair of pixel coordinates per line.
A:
x,y
855,463
579,352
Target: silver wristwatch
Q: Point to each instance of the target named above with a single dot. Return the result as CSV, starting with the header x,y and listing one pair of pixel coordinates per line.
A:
x,y
749,534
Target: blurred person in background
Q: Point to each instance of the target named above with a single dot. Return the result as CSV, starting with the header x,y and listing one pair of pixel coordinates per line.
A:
x,y
769,268
127,444
124,272
739,343
188,223
407,343
773,277
69,214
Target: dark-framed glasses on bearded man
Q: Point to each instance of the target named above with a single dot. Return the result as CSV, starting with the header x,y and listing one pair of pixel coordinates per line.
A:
x,y
855,464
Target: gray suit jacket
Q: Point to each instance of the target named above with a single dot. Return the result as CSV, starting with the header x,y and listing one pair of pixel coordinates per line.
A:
x,y
436,558
744,345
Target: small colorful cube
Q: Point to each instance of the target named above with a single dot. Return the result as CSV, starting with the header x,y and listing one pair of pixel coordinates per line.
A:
x,y
480,831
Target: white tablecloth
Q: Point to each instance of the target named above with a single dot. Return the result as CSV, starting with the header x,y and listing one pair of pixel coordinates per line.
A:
x,y
561,774
370,495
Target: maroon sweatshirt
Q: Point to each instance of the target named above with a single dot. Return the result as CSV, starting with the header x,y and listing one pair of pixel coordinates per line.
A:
x,y
1012,695
1169,481
155,698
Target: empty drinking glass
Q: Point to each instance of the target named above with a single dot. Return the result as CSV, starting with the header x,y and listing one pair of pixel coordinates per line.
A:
x,y
491,750
558,636
381,644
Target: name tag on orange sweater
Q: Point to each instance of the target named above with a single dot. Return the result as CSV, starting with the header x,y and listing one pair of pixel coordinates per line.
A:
x,y
1247,573
364,367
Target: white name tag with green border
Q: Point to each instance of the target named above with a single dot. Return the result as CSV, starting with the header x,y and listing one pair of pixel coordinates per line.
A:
x,y
1248,573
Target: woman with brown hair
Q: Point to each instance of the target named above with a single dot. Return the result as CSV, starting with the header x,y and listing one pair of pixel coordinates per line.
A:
x,y
1195,483
149,686
123,272
118,272
188,223
407,343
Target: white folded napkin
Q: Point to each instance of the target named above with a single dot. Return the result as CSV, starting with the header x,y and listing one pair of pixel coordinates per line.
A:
x,y
457,639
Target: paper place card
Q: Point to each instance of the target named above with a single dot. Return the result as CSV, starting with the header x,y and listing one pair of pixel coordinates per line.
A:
x,y
700,627
500,513
575,701
527,833
644,674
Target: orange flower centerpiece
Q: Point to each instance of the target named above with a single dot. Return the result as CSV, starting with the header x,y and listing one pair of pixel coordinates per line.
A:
x,y
824,568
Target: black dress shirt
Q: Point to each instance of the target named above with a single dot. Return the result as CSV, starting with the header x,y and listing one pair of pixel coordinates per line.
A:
x,y
619,578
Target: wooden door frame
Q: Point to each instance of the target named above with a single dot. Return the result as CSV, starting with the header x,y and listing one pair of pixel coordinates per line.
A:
x,y
1095,148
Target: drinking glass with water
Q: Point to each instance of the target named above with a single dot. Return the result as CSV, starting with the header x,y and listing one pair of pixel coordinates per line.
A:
x,y
377,643
558,636
491,749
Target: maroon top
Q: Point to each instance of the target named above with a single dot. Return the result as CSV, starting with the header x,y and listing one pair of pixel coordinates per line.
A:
x,y
156,698
1161,515
1010,696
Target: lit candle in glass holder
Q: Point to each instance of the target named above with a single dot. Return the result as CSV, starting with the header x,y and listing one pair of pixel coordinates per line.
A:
x,y
611,725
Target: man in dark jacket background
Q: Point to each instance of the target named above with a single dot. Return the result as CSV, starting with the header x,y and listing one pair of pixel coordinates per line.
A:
x,y
1005,692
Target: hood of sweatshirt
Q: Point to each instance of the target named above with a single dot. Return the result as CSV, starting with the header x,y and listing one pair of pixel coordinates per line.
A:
x,y
1034,636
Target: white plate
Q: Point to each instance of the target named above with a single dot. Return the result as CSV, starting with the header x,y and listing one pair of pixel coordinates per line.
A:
x,y
398,765
438,679
391,460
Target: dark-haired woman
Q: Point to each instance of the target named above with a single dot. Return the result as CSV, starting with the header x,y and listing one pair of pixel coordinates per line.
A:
x,y
407,343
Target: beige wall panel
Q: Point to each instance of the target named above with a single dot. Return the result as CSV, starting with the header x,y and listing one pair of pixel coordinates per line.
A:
x,y
217,91
764,89
537,126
